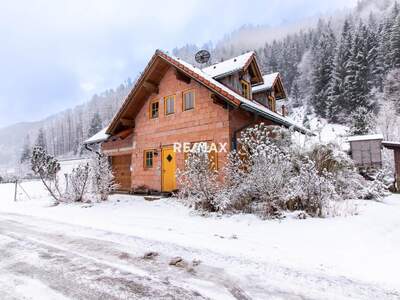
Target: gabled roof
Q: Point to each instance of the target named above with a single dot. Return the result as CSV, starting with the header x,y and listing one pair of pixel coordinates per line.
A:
x,y
203,78
229,66
99,137
269,81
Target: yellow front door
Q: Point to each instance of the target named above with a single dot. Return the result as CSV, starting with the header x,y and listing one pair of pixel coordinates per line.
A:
x,y
168,169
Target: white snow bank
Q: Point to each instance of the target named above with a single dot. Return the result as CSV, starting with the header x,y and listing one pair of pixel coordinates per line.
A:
x,y
364,247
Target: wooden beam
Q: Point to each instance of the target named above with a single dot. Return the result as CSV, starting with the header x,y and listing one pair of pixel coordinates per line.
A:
x,y
217,100
150,86
128,122
182,77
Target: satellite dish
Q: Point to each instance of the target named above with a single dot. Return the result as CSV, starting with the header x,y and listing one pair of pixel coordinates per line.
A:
x,y
202,57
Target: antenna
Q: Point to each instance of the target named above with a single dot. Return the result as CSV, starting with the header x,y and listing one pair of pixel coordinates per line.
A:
x,y
202,57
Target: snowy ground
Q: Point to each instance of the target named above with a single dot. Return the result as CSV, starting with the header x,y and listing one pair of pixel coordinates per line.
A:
x,y
95,252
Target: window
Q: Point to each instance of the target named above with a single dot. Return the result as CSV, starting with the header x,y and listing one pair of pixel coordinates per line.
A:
x,y
245,89
148,158
188,100
169,105
154,109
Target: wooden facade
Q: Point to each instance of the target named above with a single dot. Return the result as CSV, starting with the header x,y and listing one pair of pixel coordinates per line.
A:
x,y
395,146
366,152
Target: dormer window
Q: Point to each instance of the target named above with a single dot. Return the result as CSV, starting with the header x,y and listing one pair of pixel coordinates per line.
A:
x,y
245,89
271,103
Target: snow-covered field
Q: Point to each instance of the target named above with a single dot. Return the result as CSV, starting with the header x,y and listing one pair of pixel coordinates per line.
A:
x,y
355,257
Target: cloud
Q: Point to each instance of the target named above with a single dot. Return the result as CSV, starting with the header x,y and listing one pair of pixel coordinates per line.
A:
x,y
55,54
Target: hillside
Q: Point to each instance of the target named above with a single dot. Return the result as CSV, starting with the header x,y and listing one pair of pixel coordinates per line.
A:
x,y
64,131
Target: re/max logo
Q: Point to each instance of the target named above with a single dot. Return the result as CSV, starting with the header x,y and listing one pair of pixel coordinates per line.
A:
x,y
200,147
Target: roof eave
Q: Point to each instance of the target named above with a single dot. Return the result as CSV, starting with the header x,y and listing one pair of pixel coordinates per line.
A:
x,y
97,141
276,119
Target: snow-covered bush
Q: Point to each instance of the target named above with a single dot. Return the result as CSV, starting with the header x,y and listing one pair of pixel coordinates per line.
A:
x,y
79,182
46,167
235,193
269,166
312,190
87,181
198,181
269,175
102,177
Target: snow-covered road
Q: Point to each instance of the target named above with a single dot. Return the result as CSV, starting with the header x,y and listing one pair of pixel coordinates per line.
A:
x,y
41,264
44,259
90,251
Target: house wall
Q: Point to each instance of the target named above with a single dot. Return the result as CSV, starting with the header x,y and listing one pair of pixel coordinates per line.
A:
x,y
240,119
233,82
261,97
206,122
118,146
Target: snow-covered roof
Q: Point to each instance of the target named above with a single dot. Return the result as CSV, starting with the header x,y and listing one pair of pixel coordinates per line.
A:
x,y
391,145
229,66
101,136
269,81
245,103
207,79
365,137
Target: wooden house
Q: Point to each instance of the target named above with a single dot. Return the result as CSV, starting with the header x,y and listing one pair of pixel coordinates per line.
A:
x,y
174,102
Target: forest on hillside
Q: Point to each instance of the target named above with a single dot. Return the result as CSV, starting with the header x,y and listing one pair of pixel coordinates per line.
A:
x,y
63,134
346,69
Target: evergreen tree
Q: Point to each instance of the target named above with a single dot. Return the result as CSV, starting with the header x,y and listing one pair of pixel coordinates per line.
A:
x,y
26,150
95,125
357,89
323,54
374,77
395,43
41,139
296,100
361,121
337,97
392,88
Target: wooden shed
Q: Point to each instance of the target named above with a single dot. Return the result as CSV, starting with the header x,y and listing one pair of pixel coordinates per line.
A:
x,y
395,146
366,150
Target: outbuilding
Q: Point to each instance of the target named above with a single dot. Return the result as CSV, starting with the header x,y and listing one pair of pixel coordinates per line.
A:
x,y
366,150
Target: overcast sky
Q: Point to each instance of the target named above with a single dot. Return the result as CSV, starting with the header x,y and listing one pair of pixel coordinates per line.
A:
x,y
56,54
